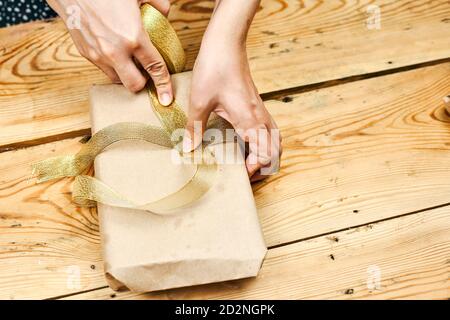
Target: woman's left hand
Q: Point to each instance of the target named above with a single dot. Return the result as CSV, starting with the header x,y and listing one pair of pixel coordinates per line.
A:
x,y
222,84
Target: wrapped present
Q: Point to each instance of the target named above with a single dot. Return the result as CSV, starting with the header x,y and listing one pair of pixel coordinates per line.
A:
x,y
215,238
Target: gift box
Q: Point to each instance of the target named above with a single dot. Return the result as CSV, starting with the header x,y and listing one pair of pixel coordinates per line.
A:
x,y
215,238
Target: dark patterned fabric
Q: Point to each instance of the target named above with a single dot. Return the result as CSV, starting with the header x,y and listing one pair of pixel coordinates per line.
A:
x,y
19,11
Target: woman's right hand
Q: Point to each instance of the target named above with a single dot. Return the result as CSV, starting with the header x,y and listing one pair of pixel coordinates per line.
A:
x,y
110,34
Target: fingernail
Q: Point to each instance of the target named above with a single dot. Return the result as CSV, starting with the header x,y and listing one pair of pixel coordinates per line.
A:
x,y
166,99
187,144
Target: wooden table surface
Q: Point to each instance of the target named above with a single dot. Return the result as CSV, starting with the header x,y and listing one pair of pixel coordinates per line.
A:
x,y
364,186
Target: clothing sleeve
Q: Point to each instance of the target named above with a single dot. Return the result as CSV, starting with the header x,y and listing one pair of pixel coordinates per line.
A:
x,y
21,11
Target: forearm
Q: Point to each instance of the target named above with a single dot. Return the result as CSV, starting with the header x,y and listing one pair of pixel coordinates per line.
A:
x,y
231,21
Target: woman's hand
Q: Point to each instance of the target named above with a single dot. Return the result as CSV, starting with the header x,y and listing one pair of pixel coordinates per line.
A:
x,y
222,83
110,34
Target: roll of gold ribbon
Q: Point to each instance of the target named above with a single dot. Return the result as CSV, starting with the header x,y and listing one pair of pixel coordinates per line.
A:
x,y
88,190
164,38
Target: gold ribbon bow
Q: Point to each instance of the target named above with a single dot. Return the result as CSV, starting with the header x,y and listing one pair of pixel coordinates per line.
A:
x,y
88,190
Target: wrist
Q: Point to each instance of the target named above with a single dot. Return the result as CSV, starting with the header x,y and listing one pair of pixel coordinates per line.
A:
x,y
60,6
218,43
230,22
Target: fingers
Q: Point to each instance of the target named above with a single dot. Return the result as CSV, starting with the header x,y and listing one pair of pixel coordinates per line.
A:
x,y
153,63
110,72
198,115
94,57
117,62
162,6
258,139
118,55
130,75
264,144
261,163
257,177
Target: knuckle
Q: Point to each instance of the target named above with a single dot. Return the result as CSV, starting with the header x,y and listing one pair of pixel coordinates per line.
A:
x,y
198,108
109,53
195,124
252,112
136,85
157,69
131,43
249,120
198,103
162,82
190,125
252,104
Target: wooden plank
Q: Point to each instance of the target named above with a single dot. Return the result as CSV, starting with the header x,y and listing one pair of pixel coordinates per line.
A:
x,y
404,258
353,154
357,153
45,241
44,82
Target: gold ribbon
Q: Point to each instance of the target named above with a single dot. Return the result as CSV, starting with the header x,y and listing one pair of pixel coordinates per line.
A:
x,y
88,190
164,38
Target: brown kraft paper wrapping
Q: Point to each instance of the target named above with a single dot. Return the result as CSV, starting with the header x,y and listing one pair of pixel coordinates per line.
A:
x,y
216,238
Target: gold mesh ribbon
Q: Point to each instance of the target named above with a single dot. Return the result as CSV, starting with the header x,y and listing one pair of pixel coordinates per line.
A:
x,y
164,38
88,190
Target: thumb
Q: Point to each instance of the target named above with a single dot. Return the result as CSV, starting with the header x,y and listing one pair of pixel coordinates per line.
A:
x,y
154,64
195,127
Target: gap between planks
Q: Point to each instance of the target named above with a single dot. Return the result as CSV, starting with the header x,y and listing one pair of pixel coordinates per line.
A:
x,y
394,125
407,256
329,234
272,95
290,44
352,72
296,241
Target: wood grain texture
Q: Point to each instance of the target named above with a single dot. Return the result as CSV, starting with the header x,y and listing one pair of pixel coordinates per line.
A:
x,y
45,241
411,256
353,154
44,81
371,148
